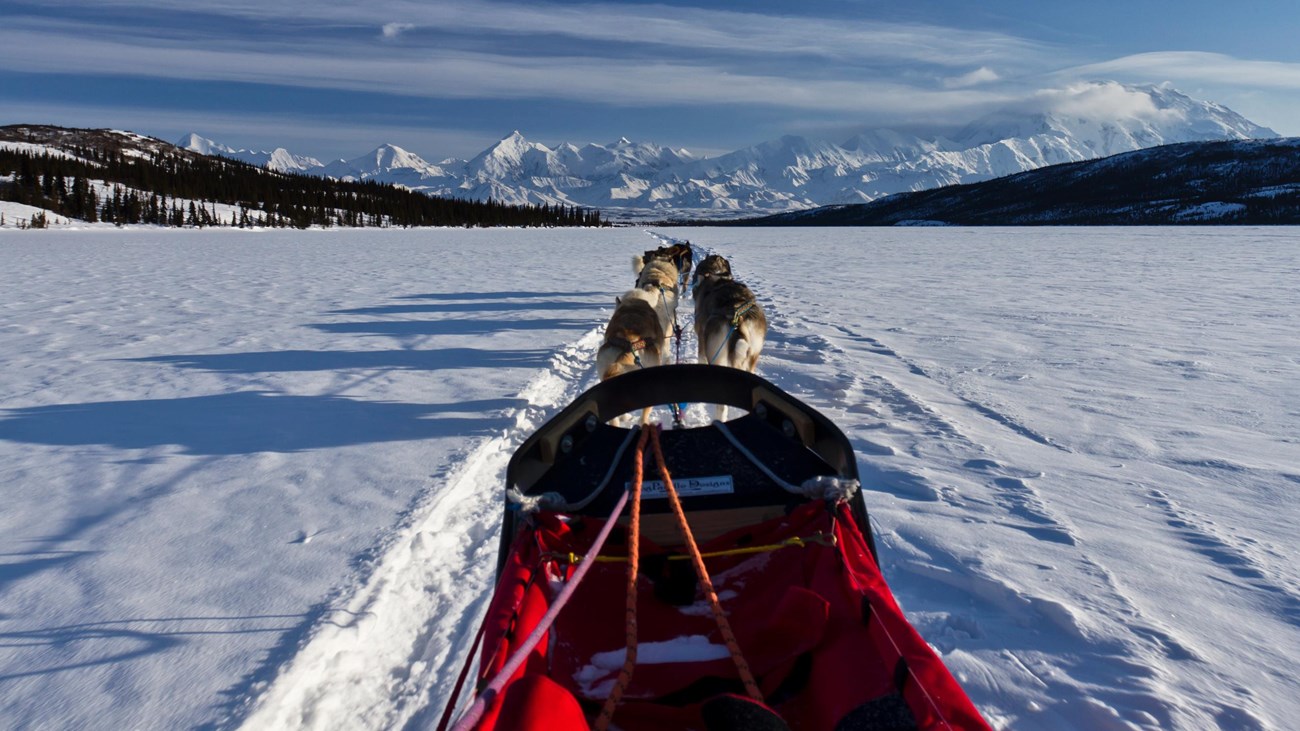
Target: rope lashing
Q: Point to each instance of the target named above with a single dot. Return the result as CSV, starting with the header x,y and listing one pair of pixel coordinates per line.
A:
x,y
633,568
460,679
817,539
702,573
493,689
496,650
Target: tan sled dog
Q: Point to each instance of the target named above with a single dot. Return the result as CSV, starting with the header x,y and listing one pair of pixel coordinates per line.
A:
x,y
634,339
679,254
658,277
730,326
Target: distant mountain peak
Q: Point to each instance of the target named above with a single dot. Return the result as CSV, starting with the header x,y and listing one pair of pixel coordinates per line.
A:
x,y
202,145
278,159
1074,123
389,156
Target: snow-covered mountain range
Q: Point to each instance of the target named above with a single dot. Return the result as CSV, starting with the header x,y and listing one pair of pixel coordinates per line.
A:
x,y
792,173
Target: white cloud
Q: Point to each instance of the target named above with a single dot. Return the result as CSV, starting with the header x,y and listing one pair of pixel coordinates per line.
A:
x,y
393,30
1100,100
452,74
981,75
689,29
1185,67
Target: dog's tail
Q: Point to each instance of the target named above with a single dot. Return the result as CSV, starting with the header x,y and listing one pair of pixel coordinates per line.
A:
x,y
638,263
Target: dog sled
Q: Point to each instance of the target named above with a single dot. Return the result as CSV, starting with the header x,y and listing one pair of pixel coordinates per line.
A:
x,y
719,577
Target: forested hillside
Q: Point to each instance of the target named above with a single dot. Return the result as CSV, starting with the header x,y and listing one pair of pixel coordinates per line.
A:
x,y
122,178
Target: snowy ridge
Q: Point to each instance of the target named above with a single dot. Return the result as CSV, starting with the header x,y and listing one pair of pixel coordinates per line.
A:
x,y
1236,182
794,173
279,159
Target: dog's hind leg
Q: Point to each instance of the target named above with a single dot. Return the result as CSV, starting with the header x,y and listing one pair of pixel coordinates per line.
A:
x,y
713,349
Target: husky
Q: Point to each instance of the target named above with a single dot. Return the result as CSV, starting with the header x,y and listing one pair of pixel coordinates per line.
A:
x,y
730,326
680,255
712,266
658,278
634,339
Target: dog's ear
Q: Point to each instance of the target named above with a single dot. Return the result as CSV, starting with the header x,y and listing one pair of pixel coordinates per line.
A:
x,y
618,300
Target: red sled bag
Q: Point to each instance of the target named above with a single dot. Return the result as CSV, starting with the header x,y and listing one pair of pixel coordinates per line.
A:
x,y
742,592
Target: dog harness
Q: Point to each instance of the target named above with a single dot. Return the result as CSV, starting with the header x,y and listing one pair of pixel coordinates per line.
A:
x,y
634,348
735,323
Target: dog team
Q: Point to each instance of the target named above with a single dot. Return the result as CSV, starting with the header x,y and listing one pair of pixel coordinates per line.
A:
x,y
730,326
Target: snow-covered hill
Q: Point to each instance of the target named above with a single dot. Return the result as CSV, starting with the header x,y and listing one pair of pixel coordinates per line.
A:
x,y
794,173
1233,182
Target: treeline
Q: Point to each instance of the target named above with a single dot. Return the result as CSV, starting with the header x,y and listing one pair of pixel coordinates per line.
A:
x,y
179,188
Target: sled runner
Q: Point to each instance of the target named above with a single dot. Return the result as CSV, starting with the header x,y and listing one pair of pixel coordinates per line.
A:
x,y
720,577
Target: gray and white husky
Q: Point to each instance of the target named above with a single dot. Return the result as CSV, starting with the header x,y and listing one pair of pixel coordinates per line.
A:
x,y
730,326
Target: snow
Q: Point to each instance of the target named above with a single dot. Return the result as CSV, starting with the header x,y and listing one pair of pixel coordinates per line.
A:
x,y
597,678
640,181
252,479
34,149
15,215
1212,211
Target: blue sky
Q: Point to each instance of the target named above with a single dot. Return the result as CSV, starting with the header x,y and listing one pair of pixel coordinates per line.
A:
x,y
447,78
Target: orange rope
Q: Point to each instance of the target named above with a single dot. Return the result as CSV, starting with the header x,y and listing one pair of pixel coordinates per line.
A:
x,y
633,558
724,627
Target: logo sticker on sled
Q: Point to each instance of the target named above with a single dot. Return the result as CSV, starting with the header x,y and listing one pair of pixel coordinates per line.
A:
x,y
687,487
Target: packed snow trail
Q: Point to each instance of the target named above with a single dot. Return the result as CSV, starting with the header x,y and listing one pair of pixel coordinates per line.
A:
x,y
389,656
403,635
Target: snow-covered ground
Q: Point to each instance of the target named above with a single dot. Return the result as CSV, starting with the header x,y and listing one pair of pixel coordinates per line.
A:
x,y
253,478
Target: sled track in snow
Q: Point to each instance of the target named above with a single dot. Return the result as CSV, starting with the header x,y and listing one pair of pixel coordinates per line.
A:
x,y
388,653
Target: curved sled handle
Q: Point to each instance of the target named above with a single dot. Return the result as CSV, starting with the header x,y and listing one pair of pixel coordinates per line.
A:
x,y
671,384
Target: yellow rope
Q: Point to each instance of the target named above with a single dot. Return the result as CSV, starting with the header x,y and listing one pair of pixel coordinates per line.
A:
x,y
820,539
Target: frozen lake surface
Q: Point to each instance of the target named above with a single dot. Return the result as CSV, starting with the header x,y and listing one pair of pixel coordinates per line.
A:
x,y
253,478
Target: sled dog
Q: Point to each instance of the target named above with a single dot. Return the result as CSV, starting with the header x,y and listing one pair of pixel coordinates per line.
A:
x,y
713,266
730,326
680,255
658,278
634,339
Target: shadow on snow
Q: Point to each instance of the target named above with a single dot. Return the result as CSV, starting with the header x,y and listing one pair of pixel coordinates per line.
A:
x,y
281,361
451,296
407,328
246,422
